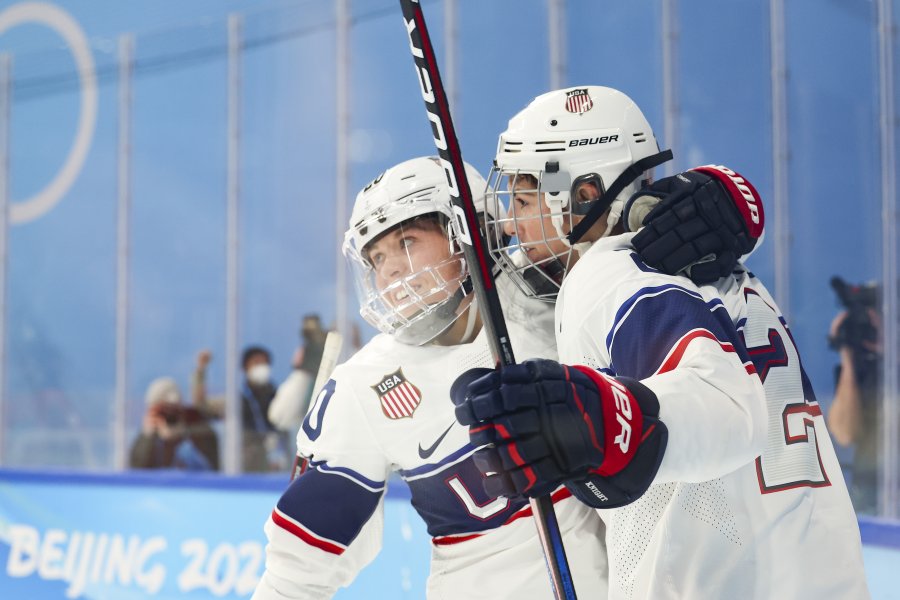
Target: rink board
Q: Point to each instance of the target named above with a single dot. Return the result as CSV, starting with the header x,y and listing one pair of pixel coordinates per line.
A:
x,y
177,535
167,535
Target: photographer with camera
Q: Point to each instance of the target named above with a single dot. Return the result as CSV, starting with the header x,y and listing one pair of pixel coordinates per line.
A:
x,y
854,416
173,435
292,398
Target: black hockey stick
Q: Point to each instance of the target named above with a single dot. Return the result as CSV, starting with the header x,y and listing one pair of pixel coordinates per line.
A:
x,y
476,257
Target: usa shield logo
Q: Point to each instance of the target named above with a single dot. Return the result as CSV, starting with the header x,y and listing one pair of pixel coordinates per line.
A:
x,y
578,101
399,397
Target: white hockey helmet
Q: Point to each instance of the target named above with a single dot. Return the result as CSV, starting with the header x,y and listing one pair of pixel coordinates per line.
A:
x,y
422,300
564,139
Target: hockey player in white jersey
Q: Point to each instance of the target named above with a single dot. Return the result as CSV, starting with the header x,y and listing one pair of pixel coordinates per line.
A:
x,y
687,418
388,409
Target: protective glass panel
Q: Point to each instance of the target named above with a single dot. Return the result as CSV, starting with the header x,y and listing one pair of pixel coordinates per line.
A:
x,y
833,128
61,268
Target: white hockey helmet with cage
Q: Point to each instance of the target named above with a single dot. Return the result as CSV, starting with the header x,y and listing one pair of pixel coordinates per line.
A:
x,y
563,140
420,302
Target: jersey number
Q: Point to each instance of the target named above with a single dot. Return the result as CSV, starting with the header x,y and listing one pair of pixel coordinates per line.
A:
x,y
791,458
479,511
312,423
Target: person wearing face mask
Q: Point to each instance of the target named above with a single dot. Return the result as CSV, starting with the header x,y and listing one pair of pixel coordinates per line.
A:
x,y
263,448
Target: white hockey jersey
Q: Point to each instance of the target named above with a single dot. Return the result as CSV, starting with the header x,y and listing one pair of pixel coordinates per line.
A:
x,y
388,409
749,501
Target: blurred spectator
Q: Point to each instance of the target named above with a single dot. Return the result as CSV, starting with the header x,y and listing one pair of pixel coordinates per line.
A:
x,y
263,448
854,415
173,435
293,396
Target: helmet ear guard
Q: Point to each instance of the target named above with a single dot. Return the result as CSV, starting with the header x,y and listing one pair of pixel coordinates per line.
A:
x,y
626,178
583,207
562,192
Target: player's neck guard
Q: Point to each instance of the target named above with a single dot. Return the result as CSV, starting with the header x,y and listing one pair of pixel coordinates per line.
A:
x,y
544,279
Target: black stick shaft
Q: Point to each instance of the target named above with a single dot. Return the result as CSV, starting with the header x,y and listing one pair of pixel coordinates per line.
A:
x,y
479,266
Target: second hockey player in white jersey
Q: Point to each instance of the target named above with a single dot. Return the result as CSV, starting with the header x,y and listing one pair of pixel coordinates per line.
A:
x,y
688,418
388,409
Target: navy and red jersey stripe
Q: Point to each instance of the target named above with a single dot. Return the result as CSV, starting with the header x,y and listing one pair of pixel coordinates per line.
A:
x,y
653,327
328,506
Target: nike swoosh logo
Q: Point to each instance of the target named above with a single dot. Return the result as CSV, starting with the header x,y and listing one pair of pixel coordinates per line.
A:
x,y
426,453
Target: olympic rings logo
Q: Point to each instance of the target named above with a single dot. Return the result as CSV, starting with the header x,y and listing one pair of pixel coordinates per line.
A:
x,y
66,27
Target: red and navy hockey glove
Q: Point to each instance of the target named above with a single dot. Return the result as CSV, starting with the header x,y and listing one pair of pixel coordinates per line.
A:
x,y
702,221
540,424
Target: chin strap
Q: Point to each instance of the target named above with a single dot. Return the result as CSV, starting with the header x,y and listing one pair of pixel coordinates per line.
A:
x,y
615,213
605,201
544,279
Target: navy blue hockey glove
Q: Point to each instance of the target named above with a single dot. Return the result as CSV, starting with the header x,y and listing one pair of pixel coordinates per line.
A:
x,y
540,424
700,221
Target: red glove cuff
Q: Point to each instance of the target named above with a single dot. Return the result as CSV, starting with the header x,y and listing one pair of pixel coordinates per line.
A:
x,y
745,196
623,422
